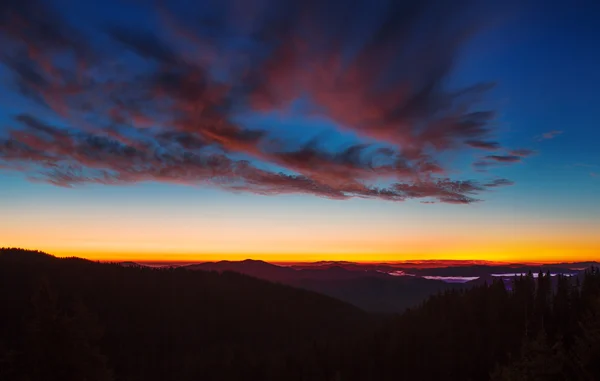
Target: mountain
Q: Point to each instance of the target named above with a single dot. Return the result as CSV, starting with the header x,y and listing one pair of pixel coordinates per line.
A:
x,y
483,270
371,290
268,271
131,264
72,319
180,324
258,269
452,269
384,287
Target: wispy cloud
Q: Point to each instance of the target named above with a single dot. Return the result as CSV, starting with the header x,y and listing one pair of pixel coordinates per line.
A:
x,y
488,145
505,158
522,152
499,183
549,135
168,112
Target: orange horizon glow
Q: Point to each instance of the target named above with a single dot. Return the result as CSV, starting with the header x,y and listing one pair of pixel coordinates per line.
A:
x,y
275,231
364,246
442,259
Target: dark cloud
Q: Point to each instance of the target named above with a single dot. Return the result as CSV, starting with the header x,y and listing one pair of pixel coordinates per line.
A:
x,y
144,43
445,190
186,140
71,159
504,158
173,119
26,71
370,92
38,125
355,163
522,152
38,26
487,145
498,183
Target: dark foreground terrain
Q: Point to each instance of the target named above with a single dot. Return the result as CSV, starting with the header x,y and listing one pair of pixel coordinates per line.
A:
x,y
75,320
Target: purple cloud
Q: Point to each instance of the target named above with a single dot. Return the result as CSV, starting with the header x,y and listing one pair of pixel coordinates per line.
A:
x,y
486,145
504,158
176,121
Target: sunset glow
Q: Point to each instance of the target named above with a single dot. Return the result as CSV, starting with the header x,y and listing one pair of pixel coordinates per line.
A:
x,y
315,190
285,136
279,230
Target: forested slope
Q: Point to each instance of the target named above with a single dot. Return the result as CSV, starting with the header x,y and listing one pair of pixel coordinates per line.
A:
x,y
71,319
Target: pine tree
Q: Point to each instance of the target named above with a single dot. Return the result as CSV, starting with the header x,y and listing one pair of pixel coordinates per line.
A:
x,y
586,353
563,308
540,361
60,346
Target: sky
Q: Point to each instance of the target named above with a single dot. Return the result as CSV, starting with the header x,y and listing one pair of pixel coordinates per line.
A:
x,y
300,130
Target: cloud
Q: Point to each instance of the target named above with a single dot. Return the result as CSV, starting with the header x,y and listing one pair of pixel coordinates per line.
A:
x,y
522,152
445,190
169,112
491,161
67,159
499,183
504,158
144,43
549,135
412,109
487,145
594,174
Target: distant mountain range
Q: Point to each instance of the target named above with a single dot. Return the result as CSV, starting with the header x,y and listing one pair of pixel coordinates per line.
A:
x,y
158,324
384,287
80,319
371,290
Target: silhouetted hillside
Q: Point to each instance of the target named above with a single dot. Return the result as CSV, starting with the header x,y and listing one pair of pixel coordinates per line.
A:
x,y
379,287
452,269
258,269
368,289
378,294
174,324
73,320
268,271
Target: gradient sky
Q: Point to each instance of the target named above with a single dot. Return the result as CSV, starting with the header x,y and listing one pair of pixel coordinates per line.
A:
x,y
332,138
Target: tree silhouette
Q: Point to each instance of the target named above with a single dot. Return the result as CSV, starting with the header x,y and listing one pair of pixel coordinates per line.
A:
x,y
586,352
174,324
60,346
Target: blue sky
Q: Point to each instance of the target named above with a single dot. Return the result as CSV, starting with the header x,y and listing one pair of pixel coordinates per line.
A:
x,y
540,55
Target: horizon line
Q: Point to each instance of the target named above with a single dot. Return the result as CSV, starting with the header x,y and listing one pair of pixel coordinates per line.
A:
x,y
179,260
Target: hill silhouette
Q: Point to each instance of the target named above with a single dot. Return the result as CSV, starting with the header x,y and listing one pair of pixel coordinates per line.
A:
x,y
159,323
72,320
369,289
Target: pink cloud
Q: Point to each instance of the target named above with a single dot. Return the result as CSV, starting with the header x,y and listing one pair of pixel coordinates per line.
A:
x,y
175,123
